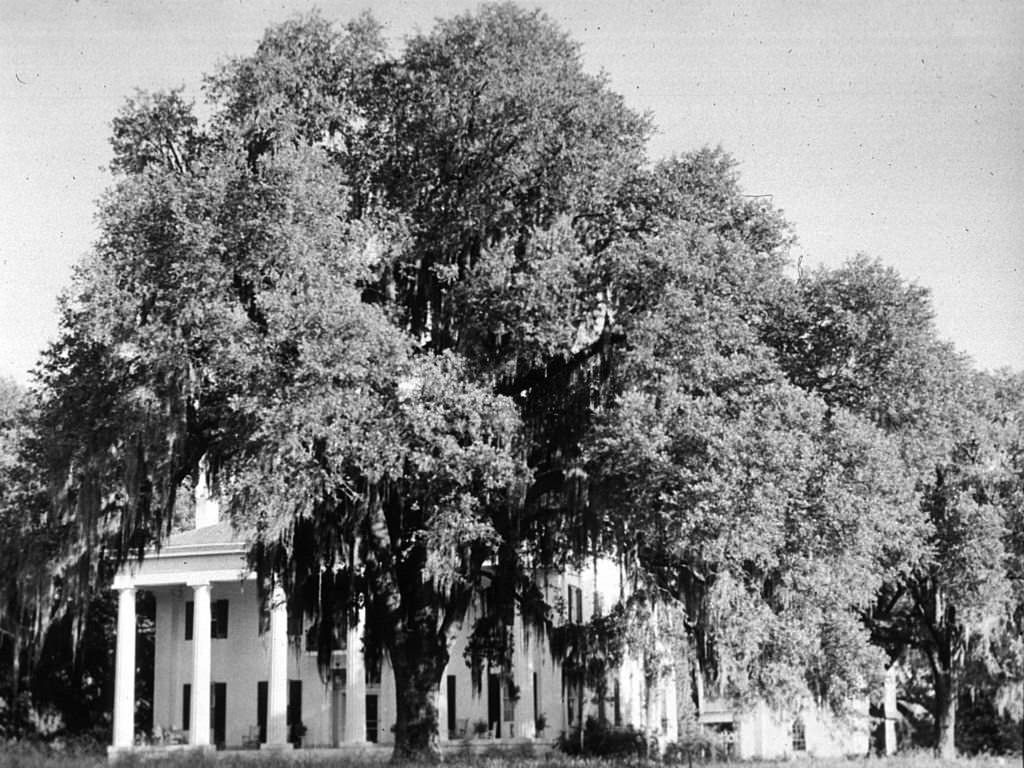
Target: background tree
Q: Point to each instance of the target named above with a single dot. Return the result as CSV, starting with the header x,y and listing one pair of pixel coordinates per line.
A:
x,y
28,549
734,493
864,338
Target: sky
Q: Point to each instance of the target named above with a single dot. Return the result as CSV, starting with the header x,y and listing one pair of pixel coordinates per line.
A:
x,y
890,128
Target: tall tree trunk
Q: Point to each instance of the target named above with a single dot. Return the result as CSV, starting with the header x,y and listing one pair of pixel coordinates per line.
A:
x,y
946,692
419,654
416,718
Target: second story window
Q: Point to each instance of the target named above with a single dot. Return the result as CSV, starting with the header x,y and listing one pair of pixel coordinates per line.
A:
x,y
218,619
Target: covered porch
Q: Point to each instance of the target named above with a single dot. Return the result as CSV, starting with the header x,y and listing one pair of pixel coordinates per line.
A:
x,y
186,576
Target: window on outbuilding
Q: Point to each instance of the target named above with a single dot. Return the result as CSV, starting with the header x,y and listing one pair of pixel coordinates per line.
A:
x,y
799,736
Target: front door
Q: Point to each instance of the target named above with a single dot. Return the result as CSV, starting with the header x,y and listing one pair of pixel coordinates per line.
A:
x,y
338,707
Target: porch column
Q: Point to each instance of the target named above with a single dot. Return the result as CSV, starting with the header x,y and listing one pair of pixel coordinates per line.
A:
x,y
124,670
355,684
671,706
522,677
442,706
199,728
277,688
637,693
890,711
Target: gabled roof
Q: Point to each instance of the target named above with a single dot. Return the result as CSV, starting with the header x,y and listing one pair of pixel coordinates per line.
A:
x,y
214,552
219,533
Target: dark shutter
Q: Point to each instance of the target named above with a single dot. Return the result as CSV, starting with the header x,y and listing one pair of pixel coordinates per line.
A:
x,y
189,619
494,703
294,711
536,699
451,704
219,712
219,620
186,706
261,709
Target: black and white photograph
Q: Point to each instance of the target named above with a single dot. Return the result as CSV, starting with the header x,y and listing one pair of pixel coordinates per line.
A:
x,y
511,384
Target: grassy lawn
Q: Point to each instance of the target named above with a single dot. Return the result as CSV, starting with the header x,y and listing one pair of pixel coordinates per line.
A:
x,y
14,755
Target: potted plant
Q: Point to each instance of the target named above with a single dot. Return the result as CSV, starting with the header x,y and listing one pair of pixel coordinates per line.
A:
x,y
480,727
295,733
540,724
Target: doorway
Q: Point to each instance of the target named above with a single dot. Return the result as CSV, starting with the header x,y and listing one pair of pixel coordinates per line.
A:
x,y
338,703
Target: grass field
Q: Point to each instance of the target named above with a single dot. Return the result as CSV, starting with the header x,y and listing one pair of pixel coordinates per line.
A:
x,y
15,755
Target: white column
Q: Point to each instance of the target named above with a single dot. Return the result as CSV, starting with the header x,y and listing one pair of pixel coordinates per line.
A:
x,y
442,706
355,693
637,694
522,676
671,699
124,670
277,687
199,728
889,711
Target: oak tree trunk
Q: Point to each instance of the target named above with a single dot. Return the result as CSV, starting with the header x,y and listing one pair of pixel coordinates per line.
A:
x,y
946,690
418,659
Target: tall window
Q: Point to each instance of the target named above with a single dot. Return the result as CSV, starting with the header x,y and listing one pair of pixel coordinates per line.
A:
x,y
186,706
371,717
508,705
574,705
218,619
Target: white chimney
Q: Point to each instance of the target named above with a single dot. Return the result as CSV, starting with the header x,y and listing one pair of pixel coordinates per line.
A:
x,y
207,507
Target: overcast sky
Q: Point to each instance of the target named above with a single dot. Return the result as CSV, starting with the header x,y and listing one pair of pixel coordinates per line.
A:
x,y
892,128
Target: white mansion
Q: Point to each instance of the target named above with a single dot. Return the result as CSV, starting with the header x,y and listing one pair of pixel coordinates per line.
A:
x,y
220,682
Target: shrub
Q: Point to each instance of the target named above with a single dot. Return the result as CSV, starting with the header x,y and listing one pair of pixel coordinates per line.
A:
x,y
600,739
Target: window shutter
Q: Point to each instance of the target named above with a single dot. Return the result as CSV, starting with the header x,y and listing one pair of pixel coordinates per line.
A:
x,y
186,706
